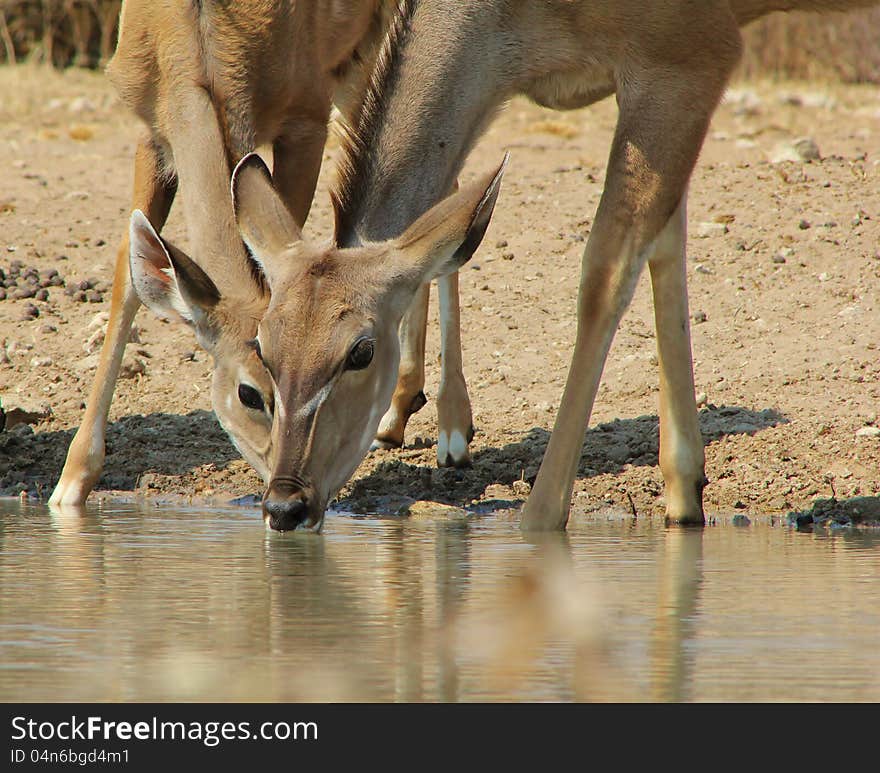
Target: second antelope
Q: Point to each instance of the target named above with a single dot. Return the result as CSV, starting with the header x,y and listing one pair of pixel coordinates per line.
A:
x,y
448,67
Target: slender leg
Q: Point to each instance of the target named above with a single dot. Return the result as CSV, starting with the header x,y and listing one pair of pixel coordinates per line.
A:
x,y
297,162
681,445
153,193
664,114
453,404
409,396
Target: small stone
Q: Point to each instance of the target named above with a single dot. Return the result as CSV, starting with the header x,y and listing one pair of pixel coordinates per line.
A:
x,y
804,225
93,296
132,367
500,245
30,312
807,149
702,399
741,520
24,412
41,362
870,432
699,317
798,151
707,230
99,320
780,257
522,488
433,511
508,256
804,522
42,295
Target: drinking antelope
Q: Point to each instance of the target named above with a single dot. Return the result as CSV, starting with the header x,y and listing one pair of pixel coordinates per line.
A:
x,y
212,80
447,67
326,348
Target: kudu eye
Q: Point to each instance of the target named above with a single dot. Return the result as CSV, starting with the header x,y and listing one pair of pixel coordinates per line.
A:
x,y
361,354
250,397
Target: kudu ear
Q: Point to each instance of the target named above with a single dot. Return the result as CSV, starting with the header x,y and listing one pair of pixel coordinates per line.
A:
x,y
447,235
263,218
168,282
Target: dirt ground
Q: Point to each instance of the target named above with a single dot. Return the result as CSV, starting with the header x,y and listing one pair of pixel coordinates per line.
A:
x,y
784,272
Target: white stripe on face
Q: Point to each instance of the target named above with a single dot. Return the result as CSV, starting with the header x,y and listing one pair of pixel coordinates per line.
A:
x,y
311,407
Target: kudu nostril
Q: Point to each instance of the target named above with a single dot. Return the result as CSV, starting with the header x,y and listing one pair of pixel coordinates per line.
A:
x,y
285,514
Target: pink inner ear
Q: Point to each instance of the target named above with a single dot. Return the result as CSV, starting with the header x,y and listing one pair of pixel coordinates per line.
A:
x,y
156,273
154,258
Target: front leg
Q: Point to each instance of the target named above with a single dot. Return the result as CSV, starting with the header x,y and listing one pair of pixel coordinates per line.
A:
x,y
153,193
664,115
297,156
682,459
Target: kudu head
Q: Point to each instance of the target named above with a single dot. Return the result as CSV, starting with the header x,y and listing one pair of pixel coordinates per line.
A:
x,y
301,383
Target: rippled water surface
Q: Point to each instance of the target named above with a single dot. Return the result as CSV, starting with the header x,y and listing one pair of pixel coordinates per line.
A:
x,y
157,604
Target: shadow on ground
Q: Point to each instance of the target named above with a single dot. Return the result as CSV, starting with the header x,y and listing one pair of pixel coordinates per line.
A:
x,y
161,444
607,448
166,453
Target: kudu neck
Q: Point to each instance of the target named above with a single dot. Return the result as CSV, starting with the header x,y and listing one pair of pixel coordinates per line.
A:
x,y
434,91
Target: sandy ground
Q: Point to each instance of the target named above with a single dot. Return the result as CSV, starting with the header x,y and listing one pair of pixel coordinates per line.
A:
x,y
784,272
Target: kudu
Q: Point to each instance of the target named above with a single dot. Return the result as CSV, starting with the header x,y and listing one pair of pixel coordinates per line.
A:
x,y
326,347
211,81
444,71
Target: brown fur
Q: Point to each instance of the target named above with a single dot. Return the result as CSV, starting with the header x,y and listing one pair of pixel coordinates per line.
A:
x,y
446,69
211,80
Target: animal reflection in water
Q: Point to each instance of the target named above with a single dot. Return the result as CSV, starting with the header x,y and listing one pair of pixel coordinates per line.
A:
x,y
384,610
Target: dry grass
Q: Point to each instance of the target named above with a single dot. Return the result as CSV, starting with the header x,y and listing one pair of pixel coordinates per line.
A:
x,y
831,47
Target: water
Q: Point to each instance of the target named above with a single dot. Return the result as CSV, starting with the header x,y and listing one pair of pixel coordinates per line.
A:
x,y
158,604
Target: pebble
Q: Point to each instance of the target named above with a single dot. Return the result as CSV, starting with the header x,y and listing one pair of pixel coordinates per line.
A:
x,y
708,229
871,432
29,312
24,412
433,511
132,367
799,150
522,488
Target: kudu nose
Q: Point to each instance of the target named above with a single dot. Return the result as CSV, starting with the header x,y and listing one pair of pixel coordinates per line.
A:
x,y
286,509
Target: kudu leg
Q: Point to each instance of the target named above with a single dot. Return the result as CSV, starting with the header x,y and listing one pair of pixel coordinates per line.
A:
x,y
658,138
153,193
409,396
682,459
454,419
297,156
